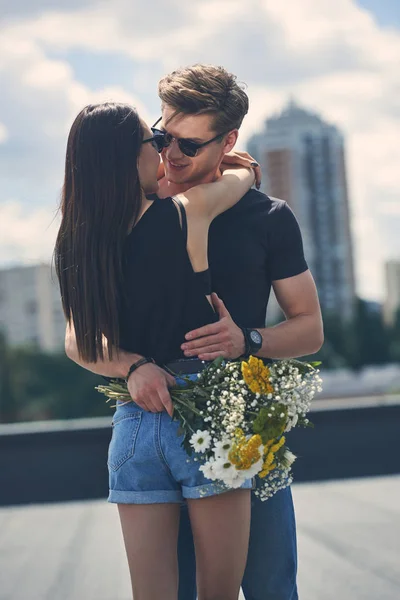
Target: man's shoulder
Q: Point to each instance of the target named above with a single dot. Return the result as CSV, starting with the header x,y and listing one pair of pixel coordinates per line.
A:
x,y
261,203
254,207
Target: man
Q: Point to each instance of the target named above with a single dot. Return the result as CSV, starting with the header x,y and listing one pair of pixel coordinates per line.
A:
x,y
253,246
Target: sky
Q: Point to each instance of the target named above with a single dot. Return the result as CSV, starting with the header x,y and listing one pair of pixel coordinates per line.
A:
x,y
340,59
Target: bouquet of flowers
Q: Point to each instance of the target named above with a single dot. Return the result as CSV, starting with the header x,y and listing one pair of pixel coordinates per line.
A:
x,y
234,418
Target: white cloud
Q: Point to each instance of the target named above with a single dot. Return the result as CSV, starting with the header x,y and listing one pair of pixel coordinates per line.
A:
x,y
26,237
39,100
24,8
390,208
3,133
333,57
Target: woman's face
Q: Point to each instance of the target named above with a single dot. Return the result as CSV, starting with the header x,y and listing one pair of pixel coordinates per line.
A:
x,y
148,163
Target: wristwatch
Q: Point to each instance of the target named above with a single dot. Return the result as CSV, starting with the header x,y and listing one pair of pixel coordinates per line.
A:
x,y
253,340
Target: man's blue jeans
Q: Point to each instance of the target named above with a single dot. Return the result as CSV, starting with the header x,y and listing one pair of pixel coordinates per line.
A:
x,y
272,559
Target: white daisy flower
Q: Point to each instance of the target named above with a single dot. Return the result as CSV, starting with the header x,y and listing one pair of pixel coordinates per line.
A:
x,y
222,448
288,458
253,470
200,441
223,468
236,480
208,469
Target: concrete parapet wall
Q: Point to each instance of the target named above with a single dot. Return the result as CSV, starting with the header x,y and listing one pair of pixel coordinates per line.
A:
x,y
66,460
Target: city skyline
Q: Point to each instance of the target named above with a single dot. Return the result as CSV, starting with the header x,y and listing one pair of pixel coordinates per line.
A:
x,y
338,60
303,159
30,307
392,301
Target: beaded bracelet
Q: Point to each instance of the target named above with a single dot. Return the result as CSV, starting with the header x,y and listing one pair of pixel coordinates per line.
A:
x,y
137,364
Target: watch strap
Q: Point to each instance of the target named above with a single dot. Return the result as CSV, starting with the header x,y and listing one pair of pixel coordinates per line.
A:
x,y
246,340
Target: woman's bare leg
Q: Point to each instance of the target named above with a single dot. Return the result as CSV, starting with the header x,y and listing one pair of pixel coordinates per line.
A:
x,y
151,534
221,529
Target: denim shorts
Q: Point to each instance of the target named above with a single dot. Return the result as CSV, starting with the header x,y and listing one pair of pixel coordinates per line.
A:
x,y
147,464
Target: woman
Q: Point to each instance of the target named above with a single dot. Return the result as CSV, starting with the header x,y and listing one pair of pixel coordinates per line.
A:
x,y
134,272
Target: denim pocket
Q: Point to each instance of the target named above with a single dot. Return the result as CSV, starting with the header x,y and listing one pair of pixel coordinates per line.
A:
x,y
124,433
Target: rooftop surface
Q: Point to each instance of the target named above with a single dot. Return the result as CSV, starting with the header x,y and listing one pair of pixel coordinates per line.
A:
x,y
348,534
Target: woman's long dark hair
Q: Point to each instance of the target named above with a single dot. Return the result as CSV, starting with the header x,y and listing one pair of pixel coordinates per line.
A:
x,y
101,198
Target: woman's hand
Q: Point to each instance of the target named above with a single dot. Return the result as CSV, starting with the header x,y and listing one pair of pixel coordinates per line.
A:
x,y
148,387
242,159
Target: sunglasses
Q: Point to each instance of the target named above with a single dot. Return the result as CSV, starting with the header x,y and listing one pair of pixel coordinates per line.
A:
x,y
162,139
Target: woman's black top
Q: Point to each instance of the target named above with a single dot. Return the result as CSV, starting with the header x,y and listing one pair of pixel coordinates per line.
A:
x,y
162,298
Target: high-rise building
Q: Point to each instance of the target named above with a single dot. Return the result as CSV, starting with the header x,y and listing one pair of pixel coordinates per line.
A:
x,y
392,301
30,307
303,163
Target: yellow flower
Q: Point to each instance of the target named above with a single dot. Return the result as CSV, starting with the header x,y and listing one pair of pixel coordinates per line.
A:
x,y
257,376
278,445
244,453
269,456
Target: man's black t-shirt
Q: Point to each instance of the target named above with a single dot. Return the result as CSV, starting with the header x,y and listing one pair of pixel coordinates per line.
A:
x,y
250,245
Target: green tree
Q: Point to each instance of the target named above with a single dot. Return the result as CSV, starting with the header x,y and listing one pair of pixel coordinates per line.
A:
x,y
50,386
362,341
372,337
394,339
7,397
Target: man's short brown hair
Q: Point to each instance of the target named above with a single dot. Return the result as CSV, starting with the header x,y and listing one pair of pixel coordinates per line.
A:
x,y
206,89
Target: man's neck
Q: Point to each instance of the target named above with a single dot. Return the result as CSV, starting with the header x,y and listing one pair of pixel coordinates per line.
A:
x,y
169,188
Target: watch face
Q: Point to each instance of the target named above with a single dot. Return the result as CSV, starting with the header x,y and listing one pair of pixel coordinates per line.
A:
x,y
255,337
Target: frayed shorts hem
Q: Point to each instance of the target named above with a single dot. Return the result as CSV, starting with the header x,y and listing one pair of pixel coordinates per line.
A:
x,y
211,489
167,496
150,497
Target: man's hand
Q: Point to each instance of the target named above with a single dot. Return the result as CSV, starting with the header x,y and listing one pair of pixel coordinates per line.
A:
x,y
148,387
224,338
242,159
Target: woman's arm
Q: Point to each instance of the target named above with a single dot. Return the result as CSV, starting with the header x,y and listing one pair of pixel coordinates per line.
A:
x,y
116,367
211,199
205,201
148,385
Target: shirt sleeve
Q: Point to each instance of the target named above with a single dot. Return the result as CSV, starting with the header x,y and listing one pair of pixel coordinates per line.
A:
x,y
286,251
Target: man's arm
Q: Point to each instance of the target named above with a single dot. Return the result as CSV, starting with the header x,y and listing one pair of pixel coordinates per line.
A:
x,y
148,385
301,334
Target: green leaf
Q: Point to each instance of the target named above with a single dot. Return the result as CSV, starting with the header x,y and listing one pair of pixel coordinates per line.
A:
x,y
217,362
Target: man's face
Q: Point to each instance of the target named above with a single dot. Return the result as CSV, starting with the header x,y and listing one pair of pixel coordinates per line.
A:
x,y
182,169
